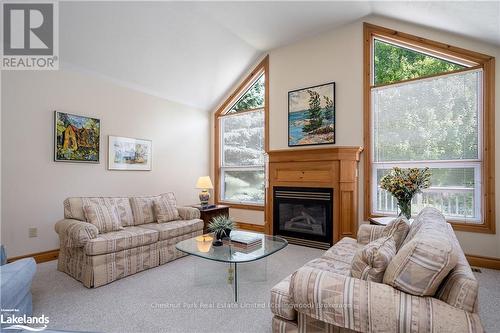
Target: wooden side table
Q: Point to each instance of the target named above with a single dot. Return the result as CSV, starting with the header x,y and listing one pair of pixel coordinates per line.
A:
x,y
207,214
383,220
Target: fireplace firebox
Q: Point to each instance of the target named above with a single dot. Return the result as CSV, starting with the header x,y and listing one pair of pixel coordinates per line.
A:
x,y
304,215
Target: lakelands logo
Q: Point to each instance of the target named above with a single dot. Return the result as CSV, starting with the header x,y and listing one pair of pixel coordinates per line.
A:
x,y
30,36
24,322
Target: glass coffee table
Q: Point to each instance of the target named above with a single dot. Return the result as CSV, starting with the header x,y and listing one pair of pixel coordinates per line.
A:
x,y
229,252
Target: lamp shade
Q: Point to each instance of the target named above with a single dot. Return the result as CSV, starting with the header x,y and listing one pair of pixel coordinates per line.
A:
x,y
204,183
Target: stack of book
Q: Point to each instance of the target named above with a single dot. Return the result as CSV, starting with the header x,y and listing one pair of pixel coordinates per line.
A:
x,y
244,242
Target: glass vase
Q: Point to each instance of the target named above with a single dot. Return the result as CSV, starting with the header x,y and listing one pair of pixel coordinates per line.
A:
x,y
405,208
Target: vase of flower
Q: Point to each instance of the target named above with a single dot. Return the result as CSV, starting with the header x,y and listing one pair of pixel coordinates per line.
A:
x,y
404,184
404,208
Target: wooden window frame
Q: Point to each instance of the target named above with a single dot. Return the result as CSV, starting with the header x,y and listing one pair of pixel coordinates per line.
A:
x,y
262,67
487,63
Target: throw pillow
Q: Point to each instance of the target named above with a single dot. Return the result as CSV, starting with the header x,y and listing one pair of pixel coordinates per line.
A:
x,y
104,217
421,265
142,208
369,263
398,229
164,210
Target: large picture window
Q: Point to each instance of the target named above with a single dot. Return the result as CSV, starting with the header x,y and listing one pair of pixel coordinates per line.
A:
x,y
427,105
241,148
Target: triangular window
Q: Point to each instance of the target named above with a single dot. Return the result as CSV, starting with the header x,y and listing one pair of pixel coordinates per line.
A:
x,y
252,99
393,63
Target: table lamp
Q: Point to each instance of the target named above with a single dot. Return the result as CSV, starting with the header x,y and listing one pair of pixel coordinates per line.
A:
x,y
204,183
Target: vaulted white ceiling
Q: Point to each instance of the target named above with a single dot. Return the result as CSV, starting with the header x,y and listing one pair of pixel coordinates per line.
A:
x,y
193,52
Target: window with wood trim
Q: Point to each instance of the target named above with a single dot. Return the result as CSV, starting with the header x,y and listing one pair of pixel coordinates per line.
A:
x,y
241,143
430,105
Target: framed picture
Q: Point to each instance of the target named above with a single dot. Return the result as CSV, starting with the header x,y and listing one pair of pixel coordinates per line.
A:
x,y
76,138
129,154
311,115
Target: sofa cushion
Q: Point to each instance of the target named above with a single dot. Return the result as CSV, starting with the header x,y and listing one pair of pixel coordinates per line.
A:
x,y
104,217
344,250
127,238
368,233
428,220
142,207
371,261
175,228
281,304
165,210
73,208
421,265
397,229
330,265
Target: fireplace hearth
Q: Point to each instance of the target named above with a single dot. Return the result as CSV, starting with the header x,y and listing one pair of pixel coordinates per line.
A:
x,y
303,215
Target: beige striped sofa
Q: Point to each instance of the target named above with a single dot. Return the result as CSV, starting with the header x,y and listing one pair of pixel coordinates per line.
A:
x,y
322,296
97,259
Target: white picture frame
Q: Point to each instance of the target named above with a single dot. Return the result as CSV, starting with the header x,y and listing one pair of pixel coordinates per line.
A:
x,y
129,154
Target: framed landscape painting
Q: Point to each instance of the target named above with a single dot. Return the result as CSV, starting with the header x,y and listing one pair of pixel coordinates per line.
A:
x,y
311,115
129,154
76,138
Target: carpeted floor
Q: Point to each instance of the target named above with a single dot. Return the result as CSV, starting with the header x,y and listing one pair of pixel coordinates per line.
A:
x,y
190,295
176,297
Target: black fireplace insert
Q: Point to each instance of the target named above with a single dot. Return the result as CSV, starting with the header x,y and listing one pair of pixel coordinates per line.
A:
x,y
304,214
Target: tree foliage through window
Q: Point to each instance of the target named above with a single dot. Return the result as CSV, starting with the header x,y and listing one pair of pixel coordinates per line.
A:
x,y
394,63
242,138
252,99
430,122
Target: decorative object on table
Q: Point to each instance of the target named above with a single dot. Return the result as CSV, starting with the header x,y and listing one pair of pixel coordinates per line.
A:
x,y
204,183
245,238
129,153
221,226
76,138
244,241
311,115
207,213
404,184
207,207
204,243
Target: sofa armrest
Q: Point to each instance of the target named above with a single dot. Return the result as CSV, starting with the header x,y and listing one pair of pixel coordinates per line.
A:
x,y
366,306
188,213
75,233
368,233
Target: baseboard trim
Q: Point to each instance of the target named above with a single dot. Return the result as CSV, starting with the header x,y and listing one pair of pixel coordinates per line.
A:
x,y
39,256
485,262
250,226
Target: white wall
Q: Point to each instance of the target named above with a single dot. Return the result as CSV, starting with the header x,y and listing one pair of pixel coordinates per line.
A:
x,y
34,187
338,56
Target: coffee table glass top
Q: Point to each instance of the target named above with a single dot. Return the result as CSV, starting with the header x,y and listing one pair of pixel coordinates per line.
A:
x,y
201,246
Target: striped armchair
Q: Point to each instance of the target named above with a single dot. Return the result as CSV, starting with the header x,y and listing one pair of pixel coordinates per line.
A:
x,y
326,298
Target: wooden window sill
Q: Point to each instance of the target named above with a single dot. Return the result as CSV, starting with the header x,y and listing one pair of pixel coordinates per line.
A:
x,y
485,228
242,206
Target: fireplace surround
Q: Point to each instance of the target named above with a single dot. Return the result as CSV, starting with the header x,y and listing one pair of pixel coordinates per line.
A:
x,y
334,169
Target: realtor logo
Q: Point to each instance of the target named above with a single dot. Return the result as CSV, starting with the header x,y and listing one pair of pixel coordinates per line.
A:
x,y
30,36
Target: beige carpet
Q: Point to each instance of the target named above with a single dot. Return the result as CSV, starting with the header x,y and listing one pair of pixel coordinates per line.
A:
x,y
190,295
